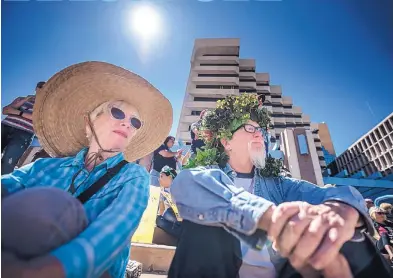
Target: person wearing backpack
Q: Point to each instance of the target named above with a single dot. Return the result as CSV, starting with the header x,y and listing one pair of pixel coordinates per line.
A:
x,y
73,215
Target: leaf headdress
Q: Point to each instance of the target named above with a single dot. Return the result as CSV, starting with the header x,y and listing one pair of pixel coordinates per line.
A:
x,y
220,123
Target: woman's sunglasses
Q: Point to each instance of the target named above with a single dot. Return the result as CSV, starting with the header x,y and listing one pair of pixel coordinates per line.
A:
x,y
118,114
380,213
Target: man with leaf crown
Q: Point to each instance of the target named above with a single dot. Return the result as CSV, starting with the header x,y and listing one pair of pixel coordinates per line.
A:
x,y
242,218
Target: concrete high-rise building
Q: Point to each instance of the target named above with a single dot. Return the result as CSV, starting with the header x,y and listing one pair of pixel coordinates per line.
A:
x,y
326,143
372,153
217,71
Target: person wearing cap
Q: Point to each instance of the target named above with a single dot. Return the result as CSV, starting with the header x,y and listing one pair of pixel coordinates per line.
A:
x,y
74,215
17,130
167,175
234,198
162,157
384,228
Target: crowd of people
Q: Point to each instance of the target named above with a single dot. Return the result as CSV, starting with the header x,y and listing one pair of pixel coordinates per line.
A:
x,y
234,213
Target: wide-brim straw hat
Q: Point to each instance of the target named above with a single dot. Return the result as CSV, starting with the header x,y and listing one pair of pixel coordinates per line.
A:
x,y
77,90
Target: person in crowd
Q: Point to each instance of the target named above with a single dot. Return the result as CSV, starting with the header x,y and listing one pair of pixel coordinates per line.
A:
x,y
369,203
74,215
388,208
384,228
167,175
236,200
17,130
168,218
163,156
196,140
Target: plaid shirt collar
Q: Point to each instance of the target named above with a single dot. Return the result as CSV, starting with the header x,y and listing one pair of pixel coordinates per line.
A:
x,y
79,160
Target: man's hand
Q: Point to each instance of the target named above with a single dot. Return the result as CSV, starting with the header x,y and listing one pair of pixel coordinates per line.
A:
x,y
311,234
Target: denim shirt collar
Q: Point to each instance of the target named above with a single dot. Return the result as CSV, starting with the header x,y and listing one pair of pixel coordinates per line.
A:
x,y
232,174
79,160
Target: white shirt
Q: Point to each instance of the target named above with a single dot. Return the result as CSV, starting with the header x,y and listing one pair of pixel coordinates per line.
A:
x,y
256,263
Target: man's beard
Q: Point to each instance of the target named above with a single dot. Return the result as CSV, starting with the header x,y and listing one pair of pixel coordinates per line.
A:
x,y
257,154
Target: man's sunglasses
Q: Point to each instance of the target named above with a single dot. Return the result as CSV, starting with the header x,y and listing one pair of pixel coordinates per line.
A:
x,y
118,114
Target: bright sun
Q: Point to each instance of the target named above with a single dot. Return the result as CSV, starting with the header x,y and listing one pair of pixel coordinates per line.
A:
x,y
145,22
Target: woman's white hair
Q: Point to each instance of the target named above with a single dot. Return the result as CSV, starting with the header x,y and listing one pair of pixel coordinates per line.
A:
x,y
99,110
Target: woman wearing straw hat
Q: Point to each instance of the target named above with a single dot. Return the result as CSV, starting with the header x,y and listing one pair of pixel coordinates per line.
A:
x,y
74,216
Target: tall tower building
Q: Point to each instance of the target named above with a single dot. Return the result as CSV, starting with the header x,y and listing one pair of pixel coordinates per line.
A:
x,y
217,71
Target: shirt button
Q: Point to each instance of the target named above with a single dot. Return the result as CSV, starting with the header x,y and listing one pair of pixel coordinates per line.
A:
x,y
200,217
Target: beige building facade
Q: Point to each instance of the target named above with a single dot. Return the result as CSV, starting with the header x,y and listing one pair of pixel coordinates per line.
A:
x,y
372,153
216,71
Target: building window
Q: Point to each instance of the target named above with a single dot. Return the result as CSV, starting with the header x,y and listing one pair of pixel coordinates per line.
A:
x,y
378,133
216,87
373,136
388,142
219,65
217,75
368,141
389,126
383,130
378,149
195,112
209,99
302,142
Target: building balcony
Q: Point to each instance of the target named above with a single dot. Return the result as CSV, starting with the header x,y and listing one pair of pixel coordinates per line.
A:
x,y
268,98
296,110
263,88
216,69
275,90
229,59
214,92
278,110
298,120
318,144
247,84
203,80
201,104
288,111
263,77
279,120
320,153
290,120
250,75
306,119
190,119
268,108
277,101
286,100
248,63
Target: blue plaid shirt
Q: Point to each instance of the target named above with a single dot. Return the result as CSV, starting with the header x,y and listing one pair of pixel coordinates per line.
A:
x,y
114,212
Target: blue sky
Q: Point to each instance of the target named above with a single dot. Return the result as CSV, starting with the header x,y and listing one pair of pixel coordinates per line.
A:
x,y
334,58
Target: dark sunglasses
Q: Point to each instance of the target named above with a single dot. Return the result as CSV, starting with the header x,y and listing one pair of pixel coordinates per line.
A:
x,y
380,213
118,114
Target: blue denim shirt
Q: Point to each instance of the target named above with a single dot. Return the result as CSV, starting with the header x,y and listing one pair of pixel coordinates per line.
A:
x,y
208,196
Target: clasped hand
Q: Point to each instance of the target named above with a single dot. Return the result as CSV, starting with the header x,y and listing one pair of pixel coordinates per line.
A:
x,y
311,236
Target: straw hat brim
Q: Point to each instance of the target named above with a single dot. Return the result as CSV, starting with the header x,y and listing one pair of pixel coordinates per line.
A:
x,y
74,92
